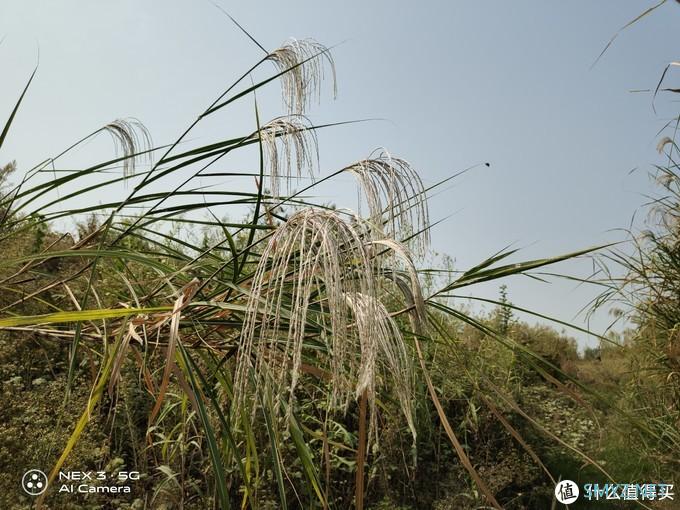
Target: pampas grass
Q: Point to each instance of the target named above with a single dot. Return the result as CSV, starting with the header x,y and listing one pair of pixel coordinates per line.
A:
x,y
317,273
290,148
395,196
303,63
130,138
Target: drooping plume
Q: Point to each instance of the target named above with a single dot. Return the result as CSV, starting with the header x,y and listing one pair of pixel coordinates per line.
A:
x,y
302,62
130,138
317,278
381,344
395,196
662,143
409,286
290,146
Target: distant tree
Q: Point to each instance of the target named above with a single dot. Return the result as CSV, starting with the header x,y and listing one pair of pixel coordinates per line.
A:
x,y
5,172
592,353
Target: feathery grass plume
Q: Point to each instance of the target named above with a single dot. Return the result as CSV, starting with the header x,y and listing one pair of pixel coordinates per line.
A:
x,y
412,291
385,344
316,286
662,144
302,61
130,137
395,195
665,177
298,149
6,170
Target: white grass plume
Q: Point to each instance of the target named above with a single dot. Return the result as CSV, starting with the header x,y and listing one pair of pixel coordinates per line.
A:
x,y
130,137
382,346
302,81
316,275
413,291
662,143
395,196
290,146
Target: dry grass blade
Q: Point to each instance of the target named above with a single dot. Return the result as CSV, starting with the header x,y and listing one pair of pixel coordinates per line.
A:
x,y
120,357
185,296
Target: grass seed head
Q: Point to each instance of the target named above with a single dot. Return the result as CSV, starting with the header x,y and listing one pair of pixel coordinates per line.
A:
x,y
304,64
316,276
395,196
290,146
130,138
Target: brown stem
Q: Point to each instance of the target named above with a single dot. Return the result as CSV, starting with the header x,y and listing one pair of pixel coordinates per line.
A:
x,y
361,452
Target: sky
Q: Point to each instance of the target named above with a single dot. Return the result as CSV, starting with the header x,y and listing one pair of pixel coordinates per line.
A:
x,y
450,85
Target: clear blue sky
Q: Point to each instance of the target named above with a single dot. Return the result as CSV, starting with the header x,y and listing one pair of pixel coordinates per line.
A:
x,y
457,82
